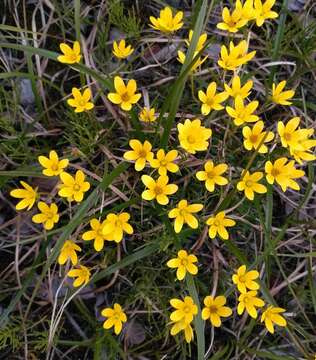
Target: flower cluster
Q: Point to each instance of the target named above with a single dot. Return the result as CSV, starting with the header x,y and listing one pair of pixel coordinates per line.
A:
x,y
160,166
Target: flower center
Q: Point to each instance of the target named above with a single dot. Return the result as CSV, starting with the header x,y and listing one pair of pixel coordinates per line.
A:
x,y
76,187
213,309
191,139
242,278
249,183
246,300
81,102
163,162
125,96
275,172
216,223
50,215
186,309
253,138
287,136
184,262
210,102
54,167
142,154
158,190
210,175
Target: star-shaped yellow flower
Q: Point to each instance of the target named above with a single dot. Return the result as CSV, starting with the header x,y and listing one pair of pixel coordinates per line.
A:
x,y
48,215
165,162
73,188
116,317
81,102
184,263
249,183
166,23
212,175
82,275
121,51
183,215
218,224
210,100
125,94
140,153
158,189
53,166
68,251
70,55
214,309
27,194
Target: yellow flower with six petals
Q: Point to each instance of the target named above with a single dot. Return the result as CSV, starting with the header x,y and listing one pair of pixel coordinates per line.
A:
x,y
184,263
125,94
255,137
235,56
166,23
82,275
214,309
96,234
140,153
185,310
81,102
283,173
212,175
249,183
245,279
27,194
210,100
48,215
158,189
147,114
68,251
236,89
73,188
53,166
181,325
115,226
243,114
272,315
183,215
116,317
279,96
165,162
232,22
70,55
120,50
262,11
250,302
218,224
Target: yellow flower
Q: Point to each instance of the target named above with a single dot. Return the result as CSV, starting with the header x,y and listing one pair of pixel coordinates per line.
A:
x,y
253,137
212,175
234,21
245,279
214,309
249,301
70,55
237,90
272,316
125,94
159,189
210,100
183,215
115,226
53,165
68,251
81,102
164,162
73,188
283,173
116,317
236,56
291,136
96,234
201,41
181,58
185,310
120,50
82,274
306,154
279,96
193,137
140,153
182,326
248,10
147,115
48,215
263,11
218,224
242,113
249,183
184,263
28,196
166,23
